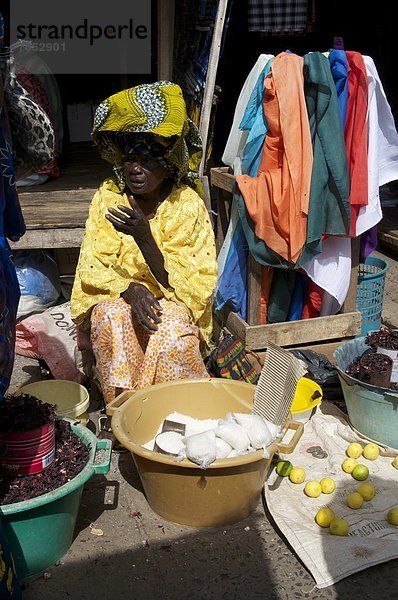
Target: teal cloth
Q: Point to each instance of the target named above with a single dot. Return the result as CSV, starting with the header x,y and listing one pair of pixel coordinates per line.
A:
x,y
329,209
281,295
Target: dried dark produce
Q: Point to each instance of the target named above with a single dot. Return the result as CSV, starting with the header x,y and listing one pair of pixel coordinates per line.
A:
x,y
25,412
372,367
374,361
384,338
71,458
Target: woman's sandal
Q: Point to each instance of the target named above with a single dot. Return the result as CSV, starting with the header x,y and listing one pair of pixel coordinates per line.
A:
x,y
105,432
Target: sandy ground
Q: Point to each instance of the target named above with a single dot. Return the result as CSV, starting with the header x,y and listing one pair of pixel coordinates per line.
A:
x,y
140,555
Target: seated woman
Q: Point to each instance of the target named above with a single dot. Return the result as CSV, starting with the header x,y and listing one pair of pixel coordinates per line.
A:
x,y
147,268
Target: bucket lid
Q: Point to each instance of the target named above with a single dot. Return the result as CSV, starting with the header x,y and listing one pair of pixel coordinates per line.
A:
x,y
303,399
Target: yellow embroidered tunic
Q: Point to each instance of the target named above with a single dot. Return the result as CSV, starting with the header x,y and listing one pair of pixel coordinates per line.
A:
x,y
109,261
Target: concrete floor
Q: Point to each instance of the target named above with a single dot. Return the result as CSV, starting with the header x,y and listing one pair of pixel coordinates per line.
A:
x,y
142,556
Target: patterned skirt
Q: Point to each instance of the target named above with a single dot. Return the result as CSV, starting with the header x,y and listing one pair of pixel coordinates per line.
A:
x,y
128,357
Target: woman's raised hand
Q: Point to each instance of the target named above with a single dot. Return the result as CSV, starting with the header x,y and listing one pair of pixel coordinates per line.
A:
x,y
144,305
130,221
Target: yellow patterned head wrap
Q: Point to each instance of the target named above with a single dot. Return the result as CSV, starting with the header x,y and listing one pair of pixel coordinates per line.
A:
x,y
151,109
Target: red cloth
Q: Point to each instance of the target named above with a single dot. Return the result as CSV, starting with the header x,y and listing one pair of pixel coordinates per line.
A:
x,y
313,301
356,139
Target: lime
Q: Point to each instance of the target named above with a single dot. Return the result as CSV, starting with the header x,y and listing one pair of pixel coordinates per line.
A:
x,y
360,472
328,485
367,491
354,450
324,516
284,467
354,500
392,516
297,475
349,464
339,527
313,489
371,451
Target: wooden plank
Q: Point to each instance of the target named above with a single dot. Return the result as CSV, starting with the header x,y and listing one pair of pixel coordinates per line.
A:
x,y
211,74
220,178
325,349
294,332
223,205
206,190
50,238
166,11
253,291
56,210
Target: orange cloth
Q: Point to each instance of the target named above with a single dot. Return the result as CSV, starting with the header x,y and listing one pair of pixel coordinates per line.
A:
x,y
277,199
356,138
267,274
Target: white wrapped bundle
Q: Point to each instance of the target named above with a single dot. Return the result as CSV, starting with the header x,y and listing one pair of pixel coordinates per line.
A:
x,y
274,429
200,448
234,434
223,449
256,429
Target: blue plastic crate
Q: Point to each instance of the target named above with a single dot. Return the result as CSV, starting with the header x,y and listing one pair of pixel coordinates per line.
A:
x,y
370,292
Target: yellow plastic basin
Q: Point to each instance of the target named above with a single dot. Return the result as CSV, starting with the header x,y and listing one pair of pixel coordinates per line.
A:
x,y
229,489
71,398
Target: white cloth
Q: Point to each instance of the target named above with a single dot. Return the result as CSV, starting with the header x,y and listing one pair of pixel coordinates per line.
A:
x,y
237,138
371,539
331,270
382,148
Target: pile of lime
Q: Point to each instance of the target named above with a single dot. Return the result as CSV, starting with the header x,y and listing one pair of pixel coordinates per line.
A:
x,y
365,492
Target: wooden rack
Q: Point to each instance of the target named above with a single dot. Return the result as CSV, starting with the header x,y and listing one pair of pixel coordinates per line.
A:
x,y
322,334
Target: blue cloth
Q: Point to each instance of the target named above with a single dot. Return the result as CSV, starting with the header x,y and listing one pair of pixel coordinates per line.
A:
x,y
232,282
298,297
254,122
339,68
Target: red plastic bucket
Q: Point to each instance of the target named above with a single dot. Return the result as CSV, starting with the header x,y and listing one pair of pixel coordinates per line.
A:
x,y
27,452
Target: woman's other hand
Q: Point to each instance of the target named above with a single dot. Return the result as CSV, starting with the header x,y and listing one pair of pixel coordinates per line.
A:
x,y
130,221
144,305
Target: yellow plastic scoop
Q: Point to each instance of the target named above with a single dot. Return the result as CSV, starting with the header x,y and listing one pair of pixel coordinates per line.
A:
x,y
308,395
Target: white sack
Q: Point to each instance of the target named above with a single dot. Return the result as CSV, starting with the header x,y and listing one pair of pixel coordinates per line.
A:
x,y
233,434
256,429
201,448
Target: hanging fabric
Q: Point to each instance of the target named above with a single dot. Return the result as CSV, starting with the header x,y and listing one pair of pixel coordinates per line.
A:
x,y
277,199
356,135
233,256
329,210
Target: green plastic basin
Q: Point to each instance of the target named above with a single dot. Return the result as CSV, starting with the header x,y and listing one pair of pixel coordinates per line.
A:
x,y
40,530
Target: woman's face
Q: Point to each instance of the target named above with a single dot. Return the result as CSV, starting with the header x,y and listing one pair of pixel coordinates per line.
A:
x,y
143,174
